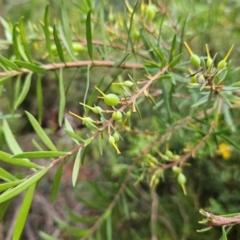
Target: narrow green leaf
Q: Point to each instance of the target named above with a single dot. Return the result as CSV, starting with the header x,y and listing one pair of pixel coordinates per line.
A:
x,y
16,42
40,154
66,27
9,64
58,44
39,98
6,176
24,39
75,137
5,186
68,47
30,66
42,135
201,101
109,228
23,212
3,208
166,101
119,62
46,32
25,90
76,167
4,80
45,236
87,86
10,139
224,235
89,34
173,48
24,185
56,183
175,60
62,101
5,157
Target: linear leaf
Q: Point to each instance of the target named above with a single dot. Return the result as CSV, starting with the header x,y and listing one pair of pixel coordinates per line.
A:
x,y
9,64
39,98
58,44
66,27
3,208
40,154
89,34
45,236
56,183
4,80
76,167
42,135
5,175
173,48
65,43
16,42
30,66
24,39
75,137
46,31
23,186
62,101
5,157
5,186
23,212
24,91
11,141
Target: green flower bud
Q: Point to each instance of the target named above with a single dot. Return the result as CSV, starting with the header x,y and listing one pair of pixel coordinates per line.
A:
x,y
117,115
181,179
150,11
169,154
109,99
176,169
222,64
116,137
195,60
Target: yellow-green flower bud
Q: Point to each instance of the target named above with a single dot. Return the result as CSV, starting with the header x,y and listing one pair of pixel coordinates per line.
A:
x,y
117,115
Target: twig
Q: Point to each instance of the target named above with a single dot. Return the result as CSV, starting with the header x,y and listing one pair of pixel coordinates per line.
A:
x,y
54,66
215,220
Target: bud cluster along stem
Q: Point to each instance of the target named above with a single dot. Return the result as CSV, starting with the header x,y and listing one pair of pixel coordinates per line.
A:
x,y
119,117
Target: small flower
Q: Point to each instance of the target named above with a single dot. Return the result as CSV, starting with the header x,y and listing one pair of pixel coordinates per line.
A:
x,y
224,150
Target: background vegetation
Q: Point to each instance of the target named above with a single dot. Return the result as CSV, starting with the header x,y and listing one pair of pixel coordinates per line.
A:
x,y
139,169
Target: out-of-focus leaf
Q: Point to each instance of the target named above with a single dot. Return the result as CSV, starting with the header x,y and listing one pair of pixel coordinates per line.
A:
x,y
75,137
5,157
40,154
89,34
30,66
4,80
25,90
175,60
62,101
67,29
11,141
58,44
46,31
5,186
173,48
39,98
3,208
23,186
16,42
23,212
24,39
42,135
76,167
45,236
56,183
6,176
9,64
